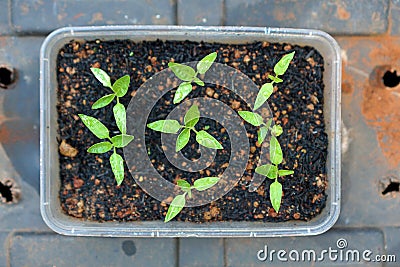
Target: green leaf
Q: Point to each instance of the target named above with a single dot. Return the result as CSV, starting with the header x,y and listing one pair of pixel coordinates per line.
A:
x,y
205,183
275,195
198,81
275,79
117,166
268,170
121,140
262,133
206,63
183,90
120,87
265,92
165,126
281,67
104,101
184,185
285,172
252,118
207,140
95,126
182,140
192,116
102,77
99,148
183,72
277,130
275,151
120,117
175,207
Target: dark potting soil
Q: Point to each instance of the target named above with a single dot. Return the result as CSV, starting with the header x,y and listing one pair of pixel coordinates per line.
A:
x,y
88,188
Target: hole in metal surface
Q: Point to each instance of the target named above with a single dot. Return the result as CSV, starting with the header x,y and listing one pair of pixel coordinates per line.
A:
x,y
392,187
5,193
9,191
7,77
391,79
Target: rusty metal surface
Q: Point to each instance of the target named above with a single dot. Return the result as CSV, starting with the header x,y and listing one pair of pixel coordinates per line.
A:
x,y
372,151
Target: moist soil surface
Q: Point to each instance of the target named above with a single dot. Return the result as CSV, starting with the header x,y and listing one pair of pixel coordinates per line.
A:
x,y
88,188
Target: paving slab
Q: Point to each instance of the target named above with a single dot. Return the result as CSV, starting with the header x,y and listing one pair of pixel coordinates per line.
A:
x,y
3,251
205,12
4,18
47,249
371,156
392,239
19,107
337,247
19,132
44,16
201,252
395,17
336,17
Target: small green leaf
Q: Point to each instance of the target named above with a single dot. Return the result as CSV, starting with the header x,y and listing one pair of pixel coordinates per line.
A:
x,y
102,77
205,183
198,81
99,148
277,130
183,90
182,140
268,170
275,195
285,172
252,118
104,101
95,126
206,63
275,151
262,133
281,67
121,140
165,126
120,117
184,185
121,86
117,166
265,92
275,79
207,140
175,207
192,116
183,72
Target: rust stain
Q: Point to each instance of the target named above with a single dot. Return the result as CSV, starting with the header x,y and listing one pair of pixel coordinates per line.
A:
x,y
282,15
347,79
11,136
77,16
342,12
96,17
380,105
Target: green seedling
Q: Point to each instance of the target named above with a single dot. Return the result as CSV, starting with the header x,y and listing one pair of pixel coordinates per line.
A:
x,y
191,118
119,88
267,89
276,156
178,203
188,75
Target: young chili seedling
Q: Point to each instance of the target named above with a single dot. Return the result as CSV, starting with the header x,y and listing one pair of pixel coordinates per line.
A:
x,y
119,89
